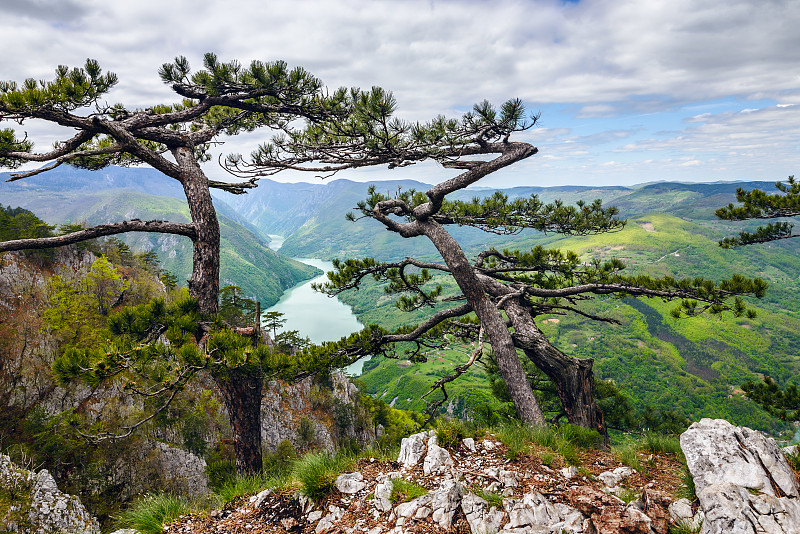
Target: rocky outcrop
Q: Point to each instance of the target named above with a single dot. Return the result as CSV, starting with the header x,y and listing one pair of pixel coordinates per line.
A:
x,y
744,483
453,478
308,415
36,506
154,464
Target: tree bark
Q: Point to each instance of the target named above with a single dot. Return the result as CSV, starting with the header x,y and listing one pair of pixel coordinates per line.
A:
x,y
204,284
492,320
572,377
241,391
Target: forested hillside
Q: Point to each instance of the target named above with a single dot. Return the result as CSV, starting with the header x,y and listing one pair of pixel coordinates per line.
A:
x,y
69,195
693,366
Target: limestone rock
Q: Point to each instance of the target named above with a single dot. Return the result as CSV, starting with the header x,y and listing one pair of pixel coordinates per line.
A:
x,y
334,514
412,448
258,499
532,510
680,513
612,478
437,460
732,509
418,508
383,490
38,506
445,502
718,452
469,443
481,519
350,482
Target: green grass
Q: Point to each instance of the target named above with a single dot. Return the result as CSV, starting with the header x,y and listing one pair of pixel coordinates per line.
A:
x,y
659,443
492,498
246,484
149,514
567,441
450,431
317,473
628,454
405,490
628,495
687,490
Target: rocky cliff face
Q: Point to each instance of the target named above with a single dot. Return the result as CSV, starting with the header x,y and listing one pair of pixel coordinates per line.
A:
x,y
309,415
31,503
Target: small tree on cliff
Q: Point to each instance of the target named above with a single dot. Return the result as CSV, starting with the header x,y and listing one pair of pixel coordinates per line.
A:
x,y
221,99
505,290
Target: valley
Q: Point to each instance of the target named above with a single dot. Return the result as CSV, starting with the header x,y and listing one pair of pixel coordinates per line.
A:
x,y
692,366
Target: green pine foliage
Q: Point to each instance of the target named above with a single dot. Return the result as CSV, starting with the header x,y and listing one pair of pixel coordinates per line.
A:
x,y
756,204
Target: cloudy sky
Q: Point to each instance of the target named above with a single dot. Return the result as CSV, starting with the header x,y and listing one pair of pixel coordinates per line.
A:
x,y
628,91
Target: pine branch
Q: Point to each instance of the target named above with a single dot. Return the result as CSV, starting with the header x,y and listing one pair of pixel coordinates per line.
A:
x,y
134,225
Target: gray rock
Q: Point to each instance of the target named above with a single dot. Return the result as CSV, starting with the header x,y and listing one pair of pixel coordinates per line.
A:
x,y
732,509
680,513
508,478
481,519
314,516
532,510
437,460
568,472
719,453
445,502
334,514
412,508
612,478
412,448
469,443
350,482
258,499
40,505
737,472
383,490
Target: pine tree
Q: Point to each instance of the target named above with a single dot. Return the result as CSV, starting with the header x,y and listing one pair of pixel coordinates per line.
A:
x,y
221,99
505,290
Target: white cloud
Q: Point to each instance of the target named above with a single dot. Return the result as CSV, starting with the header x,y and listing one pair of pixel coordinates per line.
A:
x,y
596,58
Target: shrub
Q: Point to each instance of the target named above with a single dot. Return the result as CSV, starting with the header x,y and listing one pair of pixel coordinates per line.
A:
x,y
450,431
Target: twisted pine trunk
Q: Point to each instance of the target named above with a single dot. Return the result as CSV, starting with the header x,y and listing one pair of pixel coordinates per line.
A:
x,y
204,283
572,377
492,320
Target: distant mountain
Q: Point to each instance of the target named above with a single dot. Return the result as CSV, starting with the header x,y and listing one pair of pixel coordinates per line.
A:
x,y
311,216
115,194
